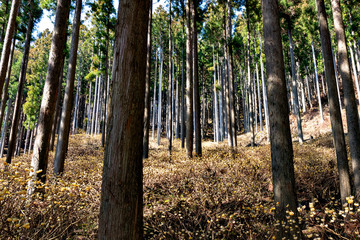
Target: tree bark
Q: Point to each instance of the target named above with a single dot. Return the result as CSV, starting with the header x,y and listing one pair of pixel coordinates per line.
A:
x,y
349,94
197,107
147,87
170,86
41,147
19,94
189,84
280,136
64,130
8,41
335,113
317,83
121,210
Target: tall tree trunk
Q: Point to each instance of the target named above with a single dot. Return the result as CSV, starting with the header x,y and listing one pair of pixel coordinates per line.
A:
x,y
189,83
183,100
64,131
5,96
121,210
317,83
335,113
250,111
349,94
41,147
216,132
294,87
197,107
231,75
265,98
77,101
354,71
170,86
160,97
280,136
8,41
19,94
147,87
154,98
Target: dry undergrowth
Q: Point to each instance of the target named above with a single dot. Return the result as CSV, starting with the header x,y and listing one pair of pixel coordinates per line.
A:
x,y
222,195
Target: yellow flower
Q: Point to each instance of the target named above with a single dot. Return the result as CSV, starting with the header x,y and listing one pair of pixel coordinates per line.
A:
x,y
26,225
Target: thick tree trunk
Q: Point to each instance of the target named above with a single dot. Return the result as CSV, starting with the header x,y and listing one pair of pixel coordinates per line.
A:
x,y
349,94
280,136
189,83
64,130
147,87
8,41
19,94
41,147
335,113
197,107
121,214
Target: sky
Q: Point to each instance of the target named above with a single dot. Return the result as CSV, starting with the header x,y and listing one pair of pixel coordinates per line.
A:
x,y
47,22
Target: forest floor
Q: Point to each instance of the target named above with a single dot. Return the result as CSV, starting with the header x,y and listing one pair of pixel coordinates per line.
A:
x,y
222,195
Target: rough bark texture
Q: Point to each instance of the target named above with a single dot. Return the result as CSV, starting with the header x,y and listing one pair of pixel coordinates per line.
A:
x,y
64,130
349,94
41,147
334,108
121,211
197,107
189,85
280,137
8,41
147,89
19,94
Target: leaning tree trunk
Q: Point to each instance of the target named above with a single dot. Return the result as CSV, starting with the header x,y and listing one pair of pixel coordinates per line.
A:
x,y
349,94
8,41
189,84
280,136
5,128
334,108
121,210
41,147
147,88
64,130
19,94
196,91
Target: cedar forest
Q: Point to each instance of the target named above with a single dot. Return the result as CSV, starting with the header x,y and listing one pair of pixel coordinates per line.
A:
x,y
180,119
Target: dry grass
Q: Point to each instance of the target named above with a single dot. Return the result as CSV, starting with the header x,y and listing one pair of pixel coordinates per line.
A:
x,y
222,195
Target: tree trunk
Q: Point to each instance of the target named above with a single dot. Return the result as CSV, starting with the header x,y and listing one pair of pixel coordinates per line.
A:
x,y
154,97
265,99
317,83
147,87
8,41
170,86
197,107
41,147
121,214
77,101
280,136
5,96
335,113
354,71
250,110
295,88
349,94
231,75
160,98
216,132
64,131
189,84
19,94
5,127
